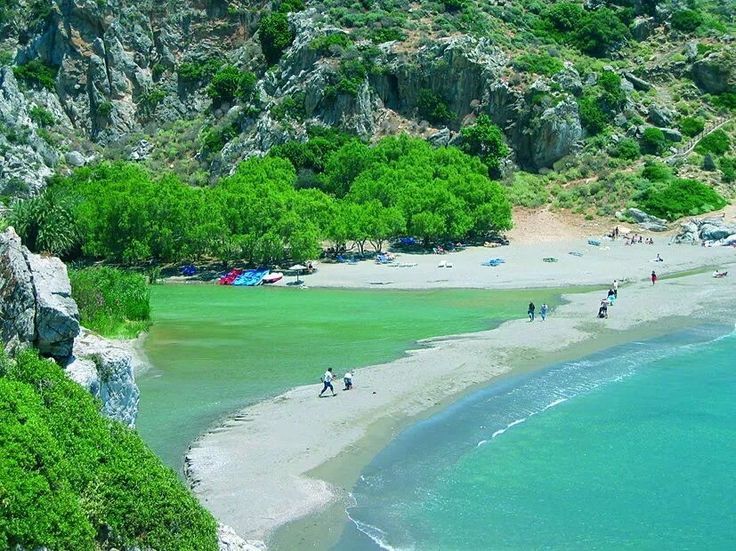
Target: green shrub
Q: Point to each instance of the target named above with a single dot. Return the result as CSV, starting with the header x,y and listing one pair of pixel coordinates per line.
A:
x,y
72,479
600,32
330,42
37,73
194,71
541,64
288,6
677,198
112,302
433,107
728,169
453,5
628,149
42,117
275,36
692,126
564,17
653,141
230,83
656,172
46,223
150,99
105,108
727,100
291,107
528,190
716,142
613,97
592,117
686,21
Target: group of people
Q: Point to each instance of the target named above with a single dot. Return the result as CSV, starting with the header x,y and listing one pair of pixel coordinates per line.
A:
x,y
542,311
329,376
610,299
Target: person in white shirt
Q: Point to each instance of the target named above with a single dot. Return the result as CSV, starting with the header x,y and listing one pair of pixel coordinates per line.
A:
x,y
348,380
615,288
327,381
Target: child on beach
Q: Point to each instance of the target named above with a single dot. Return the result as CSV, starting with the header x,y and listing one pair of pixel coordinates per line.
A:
x,y
348,380
543,311
654,277
327,381
530,311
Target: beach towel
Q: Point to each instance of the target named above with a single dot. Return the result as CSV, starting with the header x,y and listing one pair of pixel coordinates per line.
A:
x,y
494,262
594,242
549,259
575,253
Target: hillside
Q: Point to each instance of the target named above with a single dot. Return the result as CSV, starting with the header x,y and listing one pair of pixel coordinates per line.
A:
x,y
195,87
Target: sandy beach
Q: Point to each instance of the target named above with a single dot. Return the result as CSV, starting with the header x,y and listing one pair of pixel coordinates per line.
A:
x,y
253,472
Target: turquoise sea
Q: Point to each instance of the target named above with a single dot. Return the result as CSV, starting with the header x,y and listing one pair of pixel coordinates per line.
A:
x,y
634,448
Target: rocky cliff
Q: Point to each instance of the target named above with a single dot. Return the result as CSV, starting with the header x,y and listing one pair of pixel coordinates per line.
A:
x,y
133,80
37,309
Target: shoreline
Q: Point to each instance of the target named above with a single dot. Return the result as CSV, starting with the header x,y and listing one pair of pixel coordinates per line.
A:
x,y
292,476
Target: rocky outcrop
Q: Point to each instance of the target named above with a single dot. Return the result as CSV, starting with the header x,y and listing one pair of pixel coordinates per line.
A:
x,y
716,73
228,540
708,230
37,310
27,159
106,369
645,221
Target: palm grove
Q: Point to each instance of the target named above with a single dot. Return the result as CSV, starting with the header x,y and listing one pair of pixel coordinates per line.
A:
x,y
331,188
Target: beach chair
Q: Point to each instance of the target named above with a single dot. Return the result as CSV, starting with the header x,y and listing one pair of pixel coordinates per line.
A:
x,y
442,264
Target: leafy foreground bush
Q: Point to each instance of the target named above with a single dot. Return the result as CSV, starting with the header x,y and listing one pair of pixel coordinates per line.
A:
x,y
111,301
677,198
717,143
72,479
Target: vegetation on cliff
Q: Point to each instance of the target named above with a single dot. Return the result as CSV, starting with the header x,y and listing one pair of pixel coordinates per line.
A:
x,y
112,302
72,479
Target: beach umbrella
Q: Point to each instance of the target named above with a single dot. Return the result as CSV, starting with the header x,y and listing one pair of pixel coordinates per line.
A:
x,y
298,268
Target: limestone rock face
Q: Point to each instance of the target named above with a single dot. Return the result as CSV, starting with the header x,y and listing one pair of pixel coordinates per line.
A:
x,y
37,310
646,221
17,295
228,540
57,315
106,369
716,73
711,230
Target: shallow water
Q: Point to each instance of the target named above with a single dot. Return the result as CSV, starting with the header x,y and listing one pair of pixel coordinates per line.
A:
x,y
216,349
633,447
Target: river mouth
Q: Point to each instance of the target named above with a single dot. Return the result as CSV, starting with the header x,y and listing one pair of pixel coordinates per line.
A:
x,y
215,349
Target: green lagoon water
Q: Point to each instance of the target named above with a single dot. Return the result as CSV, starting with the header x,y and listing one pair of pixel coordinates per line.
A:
x,y
633,448
215,349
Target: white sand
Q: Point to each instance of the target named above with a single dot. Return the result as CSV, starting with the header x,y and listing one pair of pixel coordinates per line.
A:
x,y
523,266
251,472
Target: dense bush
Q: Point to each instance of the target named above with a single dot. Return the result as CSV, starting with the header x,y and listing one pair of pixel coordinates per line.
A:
x,y
194,71
485,140
46,223
728,169
275,36
686,21
37,73
628,149
595,32
592,117
432,107
692,126
330,43
716,142
541,64
72,479
111,301
230,83
656,172
677,198
653,141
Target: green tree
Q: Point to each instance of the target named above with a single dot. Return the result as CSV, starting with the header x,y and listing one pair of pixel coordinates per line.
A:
x,y
275,36
716,142
653,141
692,126
628,149
687,21
433,107
485,140
230,83
600,32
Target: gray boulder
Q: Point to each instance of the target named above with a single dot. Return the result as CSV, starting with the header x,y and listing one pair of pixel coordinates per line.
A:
x,y
715,230
75,159
660,115
638,83
716,73
672,134
57,315
17,298
646,221
107,370
643,27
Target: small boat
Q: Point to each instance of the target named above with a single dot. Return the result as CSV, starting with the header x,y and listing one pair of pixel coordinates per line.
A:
x,y
273,277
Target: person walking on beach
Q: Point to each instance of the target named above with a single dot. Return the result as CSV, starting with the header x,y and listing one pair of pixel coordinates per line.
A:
x,y
327,381
543,311
615,288
531,311
654,277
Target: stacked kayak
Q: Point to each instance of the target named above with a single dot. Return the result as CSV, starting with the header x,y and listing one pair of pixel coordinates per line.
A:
x,y
273,277
493,262
250,278
230,277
